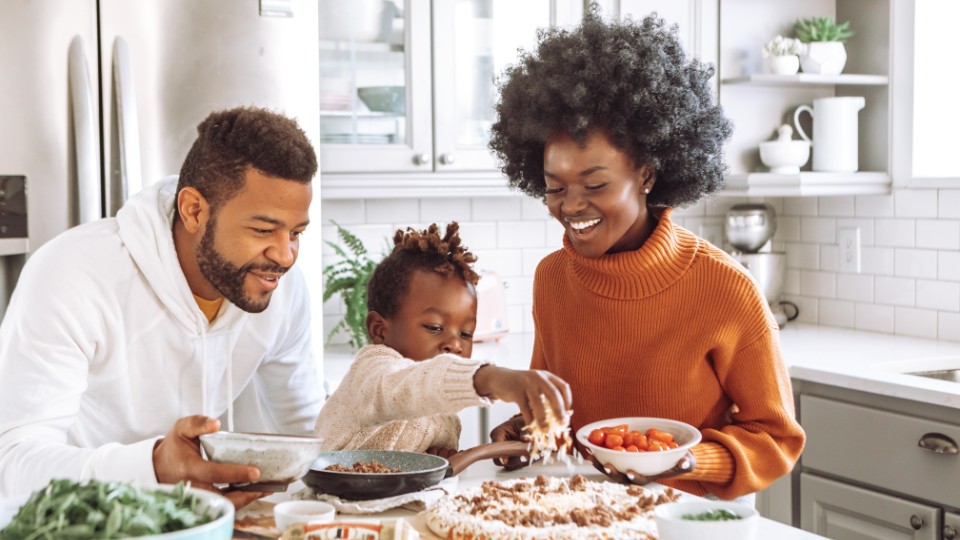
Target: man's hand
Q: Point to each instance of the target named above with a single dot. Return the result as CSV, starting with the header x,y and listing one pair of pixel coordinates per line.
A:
x,y
525,388
177,457
511,430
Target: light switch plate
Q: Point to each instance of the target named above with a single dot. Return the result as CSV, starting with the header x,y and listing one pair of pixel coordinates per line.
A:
x,y
848,240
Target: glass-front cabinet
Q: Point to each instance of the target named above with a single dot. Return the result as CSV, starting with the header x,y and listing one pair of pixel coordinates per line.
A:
x,y
408,86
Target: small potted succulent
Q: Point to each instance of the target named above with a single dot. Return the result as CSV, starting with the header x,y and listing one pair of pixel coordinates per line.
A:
x,y
783,55
825,52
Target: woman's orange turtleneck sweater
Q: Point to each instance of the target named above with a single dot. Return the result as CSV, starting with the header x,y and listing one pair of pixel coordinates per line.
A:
x,y
676,329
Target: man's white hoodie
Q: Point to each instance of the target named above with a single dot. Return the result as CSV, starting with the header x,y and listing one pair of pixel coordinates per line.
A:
x,y
103,348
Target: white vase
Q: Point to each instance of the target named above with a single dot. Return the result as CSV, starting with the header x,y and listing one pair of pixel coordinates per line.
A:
x,y
783,65
824,57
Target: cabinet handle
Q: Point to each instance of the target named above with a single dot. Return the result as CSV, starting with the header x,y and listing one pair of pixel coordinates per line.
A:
x,y
447,159
421,159
949,533
938,443
916,522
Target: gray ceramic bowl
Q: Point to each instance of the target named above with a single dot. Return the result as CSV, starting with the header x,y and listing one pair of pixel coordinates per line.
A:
x,y
389,99
281,458
418,471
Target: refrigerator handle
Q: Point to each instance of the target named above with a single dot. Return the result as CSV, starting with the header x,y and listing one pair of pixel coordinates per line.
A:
x,y
128,133
86,137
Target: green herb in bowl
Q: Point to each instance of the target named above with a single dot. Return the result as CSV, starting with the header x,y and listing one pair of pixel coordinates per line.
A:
x,y
716,514
94,509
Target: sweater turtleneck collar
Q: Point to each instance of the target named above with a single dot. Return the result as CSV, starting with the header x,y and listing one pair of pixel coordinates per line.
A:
x,y
660,262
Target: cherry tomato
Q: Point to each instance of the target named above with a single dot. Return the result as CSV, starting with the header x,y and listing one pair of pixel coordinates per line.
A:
x,y
597,437
632,448
654,433
613,440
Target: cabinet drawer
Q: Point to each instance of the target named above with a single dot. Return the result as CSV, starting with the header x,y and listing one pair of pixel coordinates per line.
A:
x,y
879,448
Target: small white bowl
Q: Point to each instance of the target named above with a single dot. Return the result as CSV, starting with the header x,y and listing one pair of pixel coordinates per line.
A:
x,y
672,526
645,463
785,157
282,459
307,512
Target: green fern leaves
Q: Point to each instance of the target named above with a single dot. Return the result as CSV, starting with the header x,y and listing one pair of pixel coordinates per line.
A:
x,y
349,277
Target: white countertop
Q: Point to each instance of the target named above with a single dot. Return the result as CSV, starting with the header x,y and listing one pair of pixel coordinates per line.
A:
x,y
867,361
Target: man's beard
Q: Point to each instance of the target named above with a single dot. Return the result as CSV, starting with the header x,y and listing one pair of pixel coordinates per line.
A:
x,y
227,277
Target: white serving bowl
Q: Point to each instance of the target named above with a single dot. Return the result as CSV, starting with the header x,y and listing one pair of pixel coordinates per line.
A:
x,y
672,526
785,157
212,504
282,459
308,512
645,463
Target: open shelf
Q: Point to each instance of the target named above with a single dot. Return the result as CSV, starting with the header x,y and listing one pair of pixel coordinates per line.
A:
x,y
14,246
810,79
822,184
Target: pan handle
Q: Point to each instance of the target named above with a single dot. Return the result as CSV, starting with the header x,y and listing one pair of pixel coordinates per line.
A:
x,y
462,460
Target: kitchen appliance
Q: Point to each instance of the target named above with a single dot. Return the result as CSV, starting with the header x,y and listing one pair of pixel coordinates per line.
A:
x,y
749,228
102,97
492,317
835,132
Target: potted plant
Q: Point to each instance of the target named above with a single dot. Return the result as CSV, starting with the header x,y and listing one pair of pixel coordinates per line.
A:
x,y
783,55
825,52
349,277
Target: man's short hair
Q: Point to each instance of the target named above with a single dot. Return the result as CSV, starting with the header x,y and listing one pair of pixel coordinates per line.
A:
x,y
231,141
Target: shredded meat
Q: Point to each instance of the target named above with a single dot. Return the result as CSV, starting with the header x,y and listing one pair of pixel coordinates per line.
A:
x,y
363,467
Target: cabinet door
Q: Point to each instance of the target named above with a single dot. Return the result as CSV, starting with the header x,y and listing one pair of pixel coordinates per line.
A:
x,y
375,110
474,40
844,512
951,526
697,22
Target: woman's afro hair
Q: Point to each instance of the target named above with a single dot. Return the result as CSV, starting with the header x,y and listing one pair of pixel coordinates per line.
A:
x,y
631,79
415,250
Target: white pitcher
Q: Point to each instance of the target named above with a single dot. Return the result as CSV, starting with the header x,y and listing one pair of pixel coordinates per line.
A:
x,y
834,132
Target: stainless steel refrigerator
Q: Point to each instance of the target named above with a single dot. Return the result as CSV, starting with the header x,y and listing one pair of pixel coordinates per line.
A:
x,y
101,97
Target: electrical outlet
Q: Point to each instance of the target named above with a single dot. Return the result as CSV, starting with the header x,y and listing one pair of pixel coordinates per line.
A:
x,y
848,240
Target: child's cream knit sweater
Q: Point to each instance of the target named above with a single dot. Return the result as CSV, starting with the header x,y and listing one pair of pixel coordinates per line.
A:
x,y
388,402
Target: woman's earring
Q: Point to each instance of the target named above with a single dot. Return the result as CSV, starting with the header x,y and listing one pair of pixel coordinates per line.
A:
x,y
647,190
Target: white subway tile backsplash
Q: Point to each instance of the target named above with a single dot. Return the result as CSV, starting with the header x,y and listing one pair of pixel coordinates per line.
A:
x,y
877,261
479,235
948,265
938,234
533,209
791,283
445,210
532,257
344,212
819,230
819,284
393,211
836,206
895,291
866,227
788,229
949,203
916,322
829,258
917,263
554,232
896,232
809,308
506,262
874,206
803,256
837,313
498,208
920,203
948,326
696,210
875,318
718,206
521,234
854,287
939,295
800,206
520,290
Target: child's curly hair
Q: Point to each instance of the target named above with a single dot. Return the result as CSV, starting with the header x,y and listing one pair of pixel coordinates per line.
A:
x,y
631,79
418,250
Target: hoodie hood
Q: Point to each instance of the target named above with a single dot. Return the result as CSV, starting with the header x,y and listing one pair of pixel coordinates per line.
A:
x,y
146,228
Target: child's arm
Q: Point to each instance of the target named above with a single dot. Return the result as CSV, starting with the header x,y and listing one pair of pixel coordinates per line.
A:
x,y
526,388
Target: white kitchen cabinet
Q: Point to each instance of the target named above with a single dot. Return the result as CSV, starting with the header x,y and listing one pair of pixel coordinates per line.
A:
x,y
443,56
870,468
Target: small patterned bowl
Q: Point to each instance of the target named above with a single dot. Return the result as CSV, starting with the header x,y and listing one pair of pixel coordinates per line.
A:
x,y
282,459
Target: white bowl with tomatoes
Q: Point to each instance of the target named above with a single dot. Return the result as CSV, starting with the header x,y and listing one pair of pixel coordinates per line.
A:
x,y
646,446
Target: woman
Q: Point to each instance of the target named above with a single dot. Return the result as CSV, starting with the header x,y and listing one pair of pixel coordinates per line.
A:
x,y
612,127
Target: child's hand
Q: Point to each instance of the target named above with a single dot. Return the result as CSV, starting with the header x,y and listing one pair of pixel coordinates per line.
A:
x,y
525,388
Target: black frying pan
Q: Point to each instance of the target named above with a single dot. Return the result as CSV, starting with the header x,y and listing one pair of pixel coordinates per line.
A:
x,y
418,471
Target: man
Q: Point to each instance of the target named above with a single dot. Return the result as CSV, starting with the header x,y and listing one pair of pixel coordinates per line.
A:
x,y
119,329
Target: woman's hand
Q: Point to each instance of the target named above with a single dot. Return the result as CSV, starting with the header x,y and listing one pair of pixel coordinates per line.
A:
x,y
511,430
686,464
531,390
